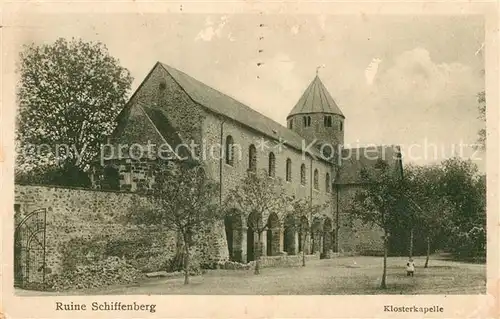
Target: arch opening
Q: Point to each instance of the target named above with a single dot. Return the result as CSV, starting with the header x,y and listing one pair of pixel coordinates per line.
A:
x,y
303,230
234,235
273,235
316,235
254,223
290,235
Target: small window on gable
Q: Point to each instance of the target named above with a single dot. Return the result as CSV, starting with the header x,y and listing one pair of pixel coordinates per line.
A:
x,y
163,85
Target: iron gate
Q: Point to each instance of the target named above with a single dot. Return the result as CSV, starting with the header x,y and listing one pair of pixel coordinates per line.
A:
x,y
29,249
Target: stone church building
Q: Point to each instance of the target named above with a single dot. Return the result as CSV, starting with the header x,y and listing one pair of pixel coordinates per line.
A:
x,y
172,108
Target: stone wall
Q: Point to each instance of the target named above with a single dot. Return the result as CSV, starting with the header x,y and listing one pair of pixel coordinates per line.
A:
x,y
82,214
232,175
356,236
286,261
333,135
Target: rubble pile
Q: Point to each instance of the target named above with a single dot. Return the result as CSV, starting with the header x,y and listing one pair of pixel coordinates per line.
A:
x,y
111,271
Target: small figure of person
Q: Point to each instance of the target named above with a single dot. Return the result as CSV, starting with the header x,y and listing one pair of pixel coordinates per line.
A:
x,y
410,267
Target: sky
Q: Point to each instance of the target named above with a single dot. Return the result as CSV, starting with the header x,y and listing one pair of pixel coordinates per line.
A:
x,y
406,80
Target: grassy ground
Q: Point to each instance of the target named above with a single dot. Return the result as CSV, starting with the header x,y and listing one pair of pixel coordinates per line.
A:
x,y
346,275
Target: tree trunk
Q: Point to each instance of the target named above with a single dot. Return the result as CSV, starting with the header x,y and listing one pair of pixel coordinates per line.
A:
x,y
186,262
384,274
428,239
410,250
257,257
304,252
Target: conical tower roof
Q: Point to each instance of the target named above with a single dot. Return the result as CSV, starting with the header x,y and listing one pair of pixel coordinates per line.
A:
x,y
316,99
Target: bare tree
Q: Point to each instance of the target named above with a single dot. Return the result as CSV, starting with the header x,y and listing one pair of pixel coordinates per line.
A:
x,y
380,202
303,208
184,201
259,195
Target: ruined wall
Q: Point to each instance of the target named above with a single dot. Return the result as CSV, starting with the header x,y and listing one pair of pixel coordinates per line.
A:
x,y
83,214
356,236
161,92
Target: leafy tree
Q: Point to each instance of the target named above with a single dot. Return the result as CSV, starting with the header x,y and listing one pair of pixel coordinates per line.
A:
x,y
429,209
260,195
303,208
53,175
69,95
465,190
380,202
184,201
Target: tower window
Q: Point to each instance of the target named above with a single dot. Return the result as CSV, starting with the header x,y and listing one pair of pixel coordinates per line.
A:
x,y
252,158
327,119
229,150
303,174
272,165
290,124
341,126
307,121
288,170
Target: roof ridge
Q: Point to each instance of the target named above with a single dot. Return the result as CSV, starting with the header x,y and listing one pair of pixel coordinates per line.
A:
x,y
220,92
169,69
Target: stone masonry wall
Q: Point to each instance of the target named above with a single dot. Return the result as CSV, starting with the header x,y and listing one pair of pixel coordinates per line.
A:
x,y
231,175
358,237
83,214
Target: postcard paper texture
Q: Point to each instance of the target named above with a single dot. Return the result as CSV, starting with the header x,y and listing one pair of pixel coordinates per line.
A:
x,y
247,159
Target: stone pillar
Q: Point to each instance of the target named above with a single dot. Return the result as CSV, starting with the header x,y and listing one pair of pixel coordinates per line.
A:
x,y
320,239
275,241
237,241
308,244
263,243
282,239
244,245
296,242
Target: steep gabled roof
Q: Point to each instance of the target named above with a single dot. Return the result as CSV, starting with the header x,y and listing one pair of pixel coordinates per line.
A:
x,y
223,104
354,160
316,99
143,125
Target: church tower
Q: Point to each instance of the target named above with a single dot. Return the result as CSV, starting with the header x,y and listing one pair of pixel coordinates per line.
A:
x,y
316,116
